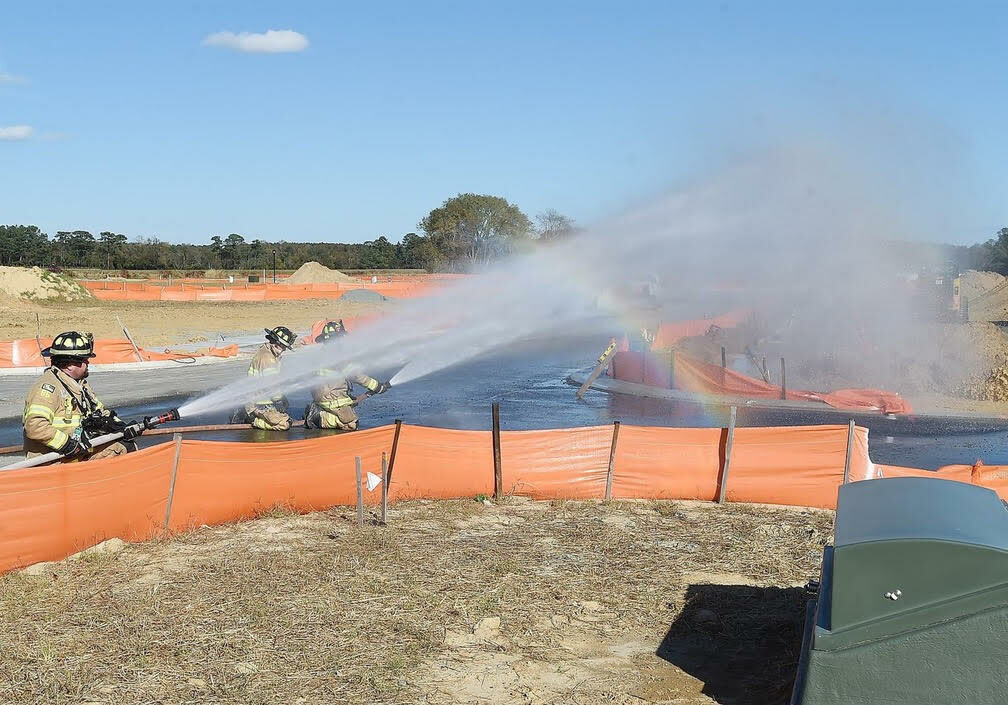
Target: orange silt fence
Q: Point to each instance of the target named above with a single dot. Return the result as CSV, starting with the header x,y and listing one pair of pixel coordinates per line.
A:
x,y
219,290
440,463
219,482
535,466
26,352
667,463
50,512
697,376
794,464
47,513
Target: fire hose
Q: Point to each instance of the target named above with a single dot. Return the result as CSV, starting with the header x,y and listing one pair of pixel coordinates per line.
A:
x,y
139,427
134,429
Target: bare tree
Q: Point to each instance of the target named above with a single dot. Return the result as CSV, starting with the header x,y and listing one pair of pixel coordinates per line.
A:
x,y
554,225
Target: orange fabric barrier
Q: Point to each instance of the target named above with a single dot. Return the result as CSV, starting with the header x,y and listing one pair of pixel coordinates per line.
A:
x,y
220,290
667,463
794,465
47,513
993,477
696,376
248,294
670,333
219,482
25,353
442,464
536,467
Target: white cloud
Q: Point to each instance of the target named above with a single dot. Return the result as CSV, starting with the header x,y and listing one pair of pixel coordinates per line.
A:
x,y
273,41
15,132
10,78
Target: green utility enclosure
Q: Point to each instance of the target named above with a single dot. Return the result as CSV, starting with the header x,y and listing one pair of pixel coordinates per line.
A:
x,y
912,607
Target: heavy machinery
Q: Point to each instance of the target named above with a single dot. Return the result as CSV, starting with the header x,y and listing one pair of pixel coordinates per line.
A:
x,y
912,603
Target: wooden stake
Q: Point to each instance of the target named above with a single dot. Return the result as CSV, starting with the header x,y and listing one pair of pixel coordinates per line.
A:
x,y
602,362
360,494
850,447
724,364
384,488
783,380
130,338
38,332
612,460
395,444
766,371
498,475
671,369
729,441
174,474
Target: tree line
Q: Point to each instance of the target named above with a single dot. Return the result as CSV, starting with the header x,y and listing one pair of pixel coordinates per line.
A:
x,y
466,230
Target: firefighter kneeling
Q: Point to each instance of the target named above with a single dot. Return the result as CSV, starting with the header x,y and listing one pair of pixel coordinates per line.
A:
x,y
332,406
61,412
270,414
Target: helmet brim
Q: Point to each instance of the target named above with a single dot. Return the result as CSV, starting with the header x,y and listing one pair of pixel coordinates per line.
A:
x,y
272,338
47,352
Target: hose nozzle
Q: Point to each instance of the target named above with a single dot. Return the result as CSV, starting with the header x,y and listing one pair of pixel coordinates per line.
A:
x,y
150,422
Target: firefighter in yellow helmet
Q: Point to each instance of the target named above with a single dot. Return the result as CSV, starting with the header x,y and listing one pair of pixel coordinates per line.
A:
x,y
61,412
332,406
270,412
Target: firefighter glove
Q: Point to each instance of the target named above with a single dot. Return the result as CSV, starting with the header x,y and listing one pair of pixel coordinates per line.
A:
x,y
74,446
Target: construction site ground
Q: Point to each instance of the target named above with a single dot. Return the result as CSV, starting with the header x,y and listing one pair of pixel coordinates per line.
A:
x,y
451,602
158,324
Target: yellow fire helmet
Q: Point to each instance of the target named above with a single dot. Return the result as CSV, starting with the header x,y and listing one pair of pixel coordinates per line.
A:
x,y
282,336
71,344
331,331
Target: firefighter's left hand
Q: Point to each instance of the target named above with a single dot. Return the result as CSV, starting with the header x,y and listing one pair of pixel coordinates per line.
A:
x,y
382,387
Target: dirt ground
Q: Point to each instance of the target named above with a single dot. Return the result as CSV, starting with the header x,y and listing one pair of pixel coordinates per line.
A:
x,y
452,602
161,323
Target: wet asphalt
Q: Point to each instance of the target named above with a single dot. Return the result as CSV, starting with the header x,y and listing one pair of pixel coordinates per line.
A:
x,y
529,382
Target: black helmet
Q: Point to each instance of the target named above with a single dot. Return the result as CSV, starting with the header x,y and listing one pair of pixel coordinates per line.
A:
x,y
71,344
282,336
331,331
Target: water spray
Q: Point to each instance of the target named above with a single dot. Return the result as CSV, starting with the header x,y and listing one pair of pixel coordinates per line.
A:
x,y
135,428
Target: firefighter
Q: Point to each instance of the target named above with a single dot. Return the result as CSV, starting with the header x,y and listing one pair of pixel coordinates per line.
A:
x,y
61,412
332,406
269,413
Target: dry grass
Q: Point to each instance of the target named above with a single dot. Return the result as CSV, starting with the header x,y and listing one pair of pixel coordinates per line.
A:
x,y
314,608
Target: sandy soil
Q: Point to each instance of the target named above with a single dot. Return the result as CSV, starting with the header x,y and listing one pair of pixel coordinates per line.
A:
x,y
452,602
161,323
33,283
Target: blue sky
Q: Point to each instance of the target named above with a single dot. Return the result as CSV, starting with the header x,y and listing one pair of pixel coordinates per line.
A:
x,y
138,125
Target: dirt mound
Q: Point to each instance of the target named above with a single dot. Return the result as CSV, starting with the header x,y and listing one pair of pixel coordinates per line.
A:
x,y
37,284
315,273
973,284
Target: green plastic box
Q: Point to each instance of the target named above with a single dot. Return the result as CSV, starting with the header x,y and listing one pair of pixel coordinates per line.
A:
x,y
912,606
